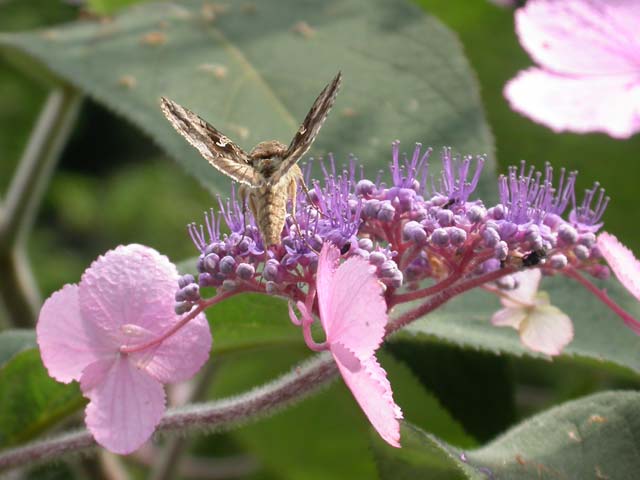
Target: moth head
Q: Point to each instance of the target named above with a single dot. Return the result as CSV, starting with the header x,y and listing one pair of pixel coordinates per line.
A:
x,y
267,156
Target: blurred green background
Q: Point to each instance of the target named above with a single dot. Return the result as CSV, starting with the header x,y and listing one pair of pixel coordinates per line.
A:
x,y
113,186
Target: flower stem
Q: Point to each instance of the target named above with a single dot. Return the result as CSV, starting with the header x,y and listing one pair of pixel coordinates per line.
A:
x,y
204,304
217,415
601,295
443,297
18,288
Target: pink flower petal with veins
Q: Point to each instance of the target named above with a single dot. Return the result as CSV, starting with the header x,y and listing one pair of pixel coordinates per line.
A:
x,y
129,285
624,264
609,104
67,343
353,314
372,391
525,294
543,327
182,355
126,404
588,54
546,329
125,298
581,37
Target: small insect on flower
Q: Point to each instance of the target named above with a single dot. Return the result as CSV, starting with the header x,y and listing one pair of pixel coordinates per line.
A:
x,y
269,174
533,258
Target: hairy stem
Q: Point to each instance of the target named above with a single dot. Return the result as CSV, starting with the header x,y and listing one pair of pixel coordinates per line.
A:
x,y
18,289
213,416
168,461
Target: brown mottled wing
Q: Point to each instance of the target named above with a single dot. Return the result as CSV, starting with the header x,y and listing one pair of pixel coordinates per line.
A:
x,y
219,151
309,129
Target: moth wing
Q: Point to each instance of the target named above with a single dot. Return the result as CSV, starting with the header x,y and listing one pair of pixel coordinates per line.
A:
x,y
309,129
216,148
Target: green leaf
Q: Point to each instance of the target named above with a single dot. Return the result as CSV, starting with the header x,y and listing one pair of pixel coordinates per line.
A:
x,y
31,401
14,341
252,74
599,333
107,7
486,378
251,320
326,435
594,437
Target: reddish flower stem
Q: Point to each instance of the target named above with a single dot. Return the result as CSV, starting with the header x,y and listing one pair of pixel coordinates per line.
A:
x,y
443,297
204,304
601,295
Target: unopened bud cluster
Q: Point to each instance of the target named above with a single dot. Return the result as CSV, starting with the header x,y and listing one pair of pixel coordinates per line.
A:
x,y
421,226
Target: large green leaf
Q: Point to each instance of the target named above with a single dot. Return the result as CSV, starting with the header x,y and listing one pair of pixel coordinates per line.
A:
x,y
13,342
595,437
249,321
31,401
599,334
326,435
253,71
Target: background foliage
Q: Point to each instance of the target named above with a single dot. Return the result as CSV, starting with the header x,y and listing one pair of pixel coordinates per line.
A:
x,y
115,185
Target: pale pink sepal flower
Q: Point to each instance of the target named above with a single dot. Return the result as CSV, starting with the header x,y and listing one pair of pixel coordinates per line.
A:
x,y
543,327
624,264
353,314
125,298
589,62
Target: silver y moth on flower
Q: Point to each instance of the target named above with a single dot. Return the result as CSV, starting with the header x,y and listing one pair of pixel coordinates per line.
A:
x,y
269,174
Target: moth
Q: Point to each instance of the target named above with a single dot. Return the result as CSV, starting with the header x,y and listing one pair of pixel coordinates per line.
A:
x,y
268,175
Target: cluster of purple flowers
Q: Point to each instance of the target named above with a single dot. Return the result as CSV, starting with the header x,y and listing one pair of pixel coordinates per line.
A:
x,y
421,226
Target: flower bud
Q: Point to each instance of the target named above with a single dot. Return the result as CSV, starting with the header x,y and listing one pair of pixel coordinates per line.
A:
x,y
227,265
377,258
444,217
414,232
185,280
440,237
476,213
272,271
245,271
558,261
365,244
371,208
490,237
567,234
386,212
581,252
457,236
501,250
365,187
587,239
210,263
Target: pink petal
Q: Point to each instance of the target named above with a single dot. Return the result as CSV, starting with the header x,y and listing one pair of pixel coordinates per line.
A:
x,y
622,261
352,309
372,391
547,330
609,104
180,356
126,404
327,266
592,37
509,317
133,285
67,343
525,294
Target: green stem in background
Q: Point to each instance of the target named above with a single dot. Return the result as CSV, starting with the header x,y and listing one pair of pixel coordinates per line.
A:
x,y
18,288
220,415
